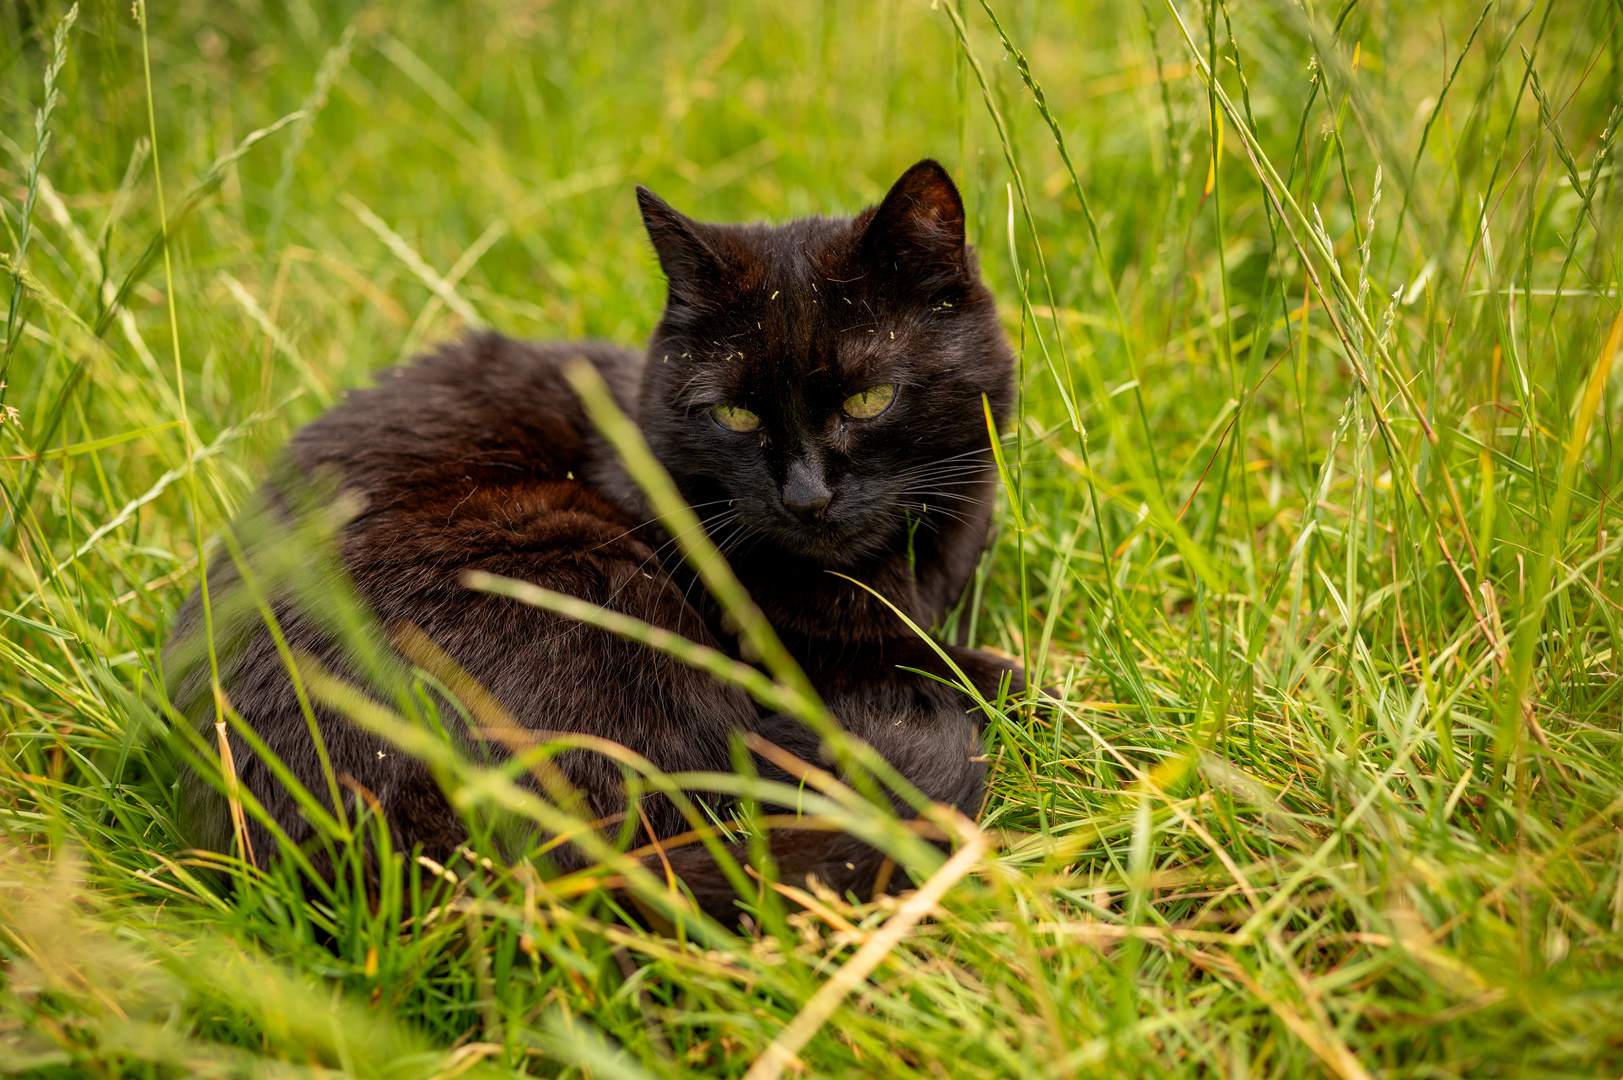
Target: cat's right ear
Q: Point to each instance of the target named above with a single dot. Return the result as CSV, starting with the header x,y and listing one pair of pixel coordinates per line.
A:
x,y
920,223
690,264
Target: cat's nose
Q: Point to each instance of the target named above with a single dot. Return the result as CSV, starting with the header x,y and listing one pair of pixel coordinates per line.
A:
x,y
805,493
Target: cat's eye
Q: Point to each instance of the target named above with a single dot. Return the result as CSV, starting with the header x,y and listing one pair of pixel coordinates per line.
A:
x,y
734,418
869,403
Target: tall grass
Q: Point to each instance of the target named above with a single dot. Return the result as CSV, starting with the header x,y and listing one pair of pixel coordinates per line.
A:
x,y
1311,522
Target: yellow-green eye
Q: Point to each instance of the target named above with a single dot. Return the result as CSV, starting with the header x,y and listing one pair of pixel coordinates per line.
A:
x,y
733,418
869,403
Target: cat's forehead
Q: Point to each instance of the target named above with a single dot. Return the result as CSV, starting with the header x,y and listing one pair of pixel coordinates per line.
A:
x,y
796,260
807,280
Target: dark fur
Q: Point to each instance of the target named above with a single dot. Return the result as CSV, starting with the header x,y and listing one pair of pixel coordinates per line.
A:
x,y
479,457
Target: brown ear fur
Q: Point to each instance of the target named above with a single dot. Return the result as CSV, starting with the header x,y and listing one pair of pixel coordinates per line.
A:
x,y
688,260
921,219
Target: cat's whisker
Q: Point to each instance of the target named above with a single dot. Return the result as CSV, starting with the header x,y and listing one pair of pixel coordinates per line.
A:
x,y
735,526
929,484
652,521
724,547
926,510
929,503
754,537
741,530
934,514
942,481
964,476
947,466
709,525
657,557
703,522
982,456
924,494
973,452
934,489
979,461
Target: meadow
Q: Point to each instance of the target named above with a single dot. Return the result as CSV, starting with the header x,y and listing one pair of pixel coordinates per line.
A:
x,y
1310,521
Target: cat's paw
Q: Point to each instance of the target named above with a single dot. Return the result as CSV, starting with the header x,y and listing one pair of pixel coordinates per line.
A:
x,y
988,672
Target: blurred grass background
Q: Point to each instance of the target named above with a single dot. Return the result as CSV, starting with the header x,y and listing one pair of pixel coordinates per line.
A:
x,y
1314,516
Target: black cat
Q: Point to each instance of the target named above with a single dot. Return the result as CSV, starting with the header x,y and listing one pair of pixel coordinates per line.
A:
x,y
815,390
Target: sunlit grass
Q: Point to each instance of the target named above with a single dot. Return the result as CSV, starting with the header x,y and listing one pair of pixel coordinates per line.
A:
x,y
1312,525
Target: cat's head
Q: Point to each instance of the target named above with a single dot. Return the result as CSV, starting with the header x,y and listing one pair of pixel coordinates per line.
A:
x,y
817,385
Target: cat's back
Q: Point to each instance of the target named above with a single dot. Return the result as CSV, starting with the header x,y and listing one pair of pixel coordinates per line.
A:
x,y
478,455
483,412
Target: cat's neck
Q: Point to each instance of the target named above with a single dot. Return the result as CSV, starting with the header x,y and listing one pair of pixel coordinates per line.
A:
x,y
806,601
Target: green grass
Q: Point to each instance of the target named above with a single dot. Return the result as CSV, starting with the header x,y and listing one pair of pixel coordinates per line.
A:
x,y
1314,521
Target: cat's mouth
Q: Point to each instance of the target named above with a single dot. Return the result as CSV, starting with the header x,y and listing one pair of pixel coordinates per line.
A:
x,y
832,542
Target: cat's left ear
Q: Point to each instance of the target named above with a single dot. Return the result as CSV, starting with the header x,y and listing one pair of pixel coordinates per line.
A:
x,y
690,264
921,220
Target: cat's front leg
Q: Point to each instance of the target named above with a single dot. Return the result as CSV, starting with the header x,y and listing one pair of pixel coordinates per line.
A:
x,y
987,672
901,660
